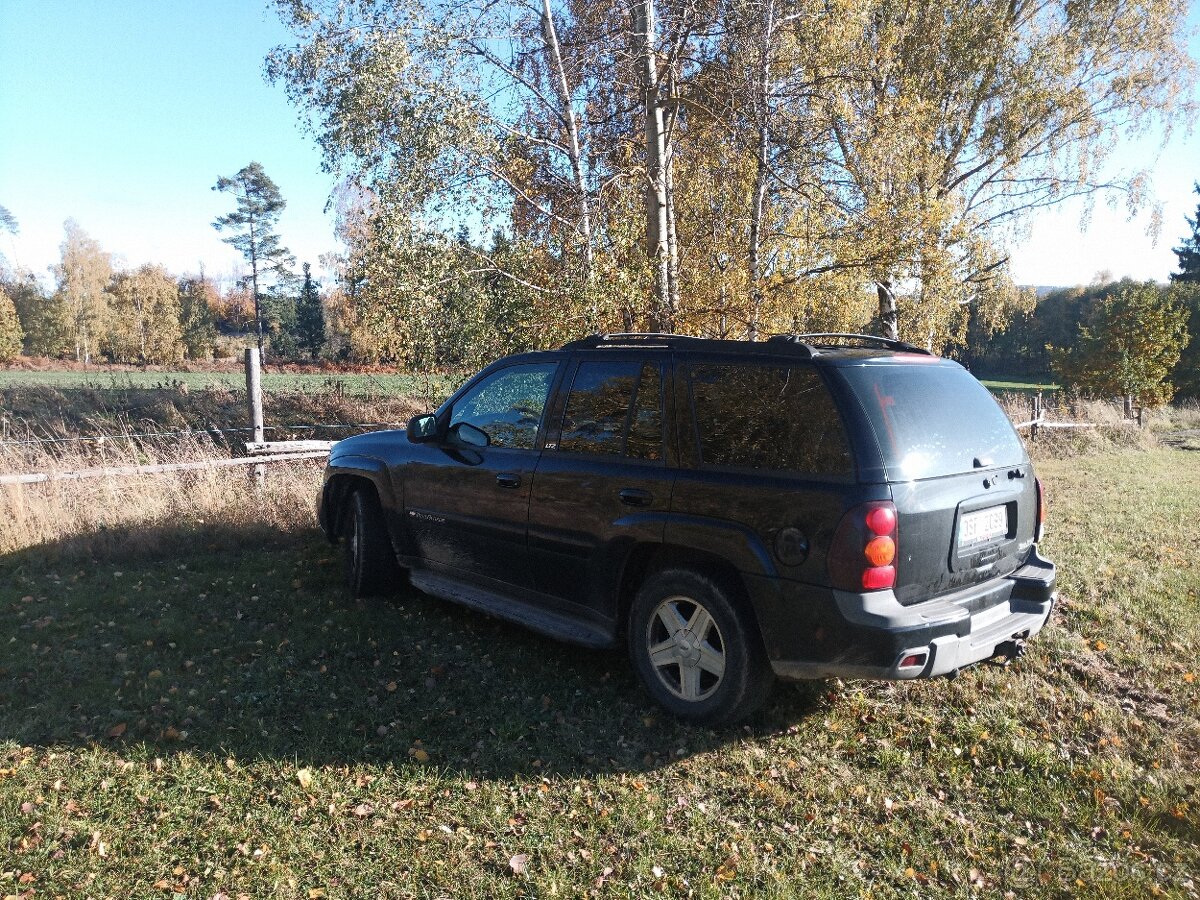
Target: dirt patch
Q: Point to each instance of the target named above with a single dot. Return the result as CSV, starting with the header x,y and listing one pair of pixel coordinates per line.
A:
x,y
1188,439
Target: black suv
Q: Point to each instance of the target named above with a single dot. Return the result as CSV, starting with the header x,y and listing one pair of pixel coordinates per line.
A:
x,y
801,507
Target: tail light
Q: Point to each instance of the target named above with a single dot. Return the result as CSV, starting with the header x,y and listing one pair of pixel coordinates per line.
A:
x,y
863,554
1041,511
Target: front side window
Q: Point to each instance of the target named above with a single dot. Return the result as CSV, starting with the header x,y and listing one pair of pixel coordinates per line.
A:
x,y
614,407
508,404
768,417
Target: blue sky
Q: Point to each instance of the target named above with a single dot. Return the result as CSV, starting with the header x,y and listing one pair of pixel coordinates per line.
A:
x,y
121,114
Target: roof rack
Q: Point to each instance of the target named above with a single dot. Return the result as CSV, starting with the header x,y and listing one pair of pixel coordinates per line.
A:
x,y
629,339
820,339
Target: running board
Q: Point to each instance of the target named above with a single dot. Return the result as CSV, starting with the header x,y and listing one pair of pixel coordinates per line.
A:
x,y
543,621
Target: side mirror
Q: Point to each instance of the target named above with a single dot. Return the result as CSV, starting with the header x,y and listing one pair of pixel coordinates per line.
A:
x,y
422,428
469,435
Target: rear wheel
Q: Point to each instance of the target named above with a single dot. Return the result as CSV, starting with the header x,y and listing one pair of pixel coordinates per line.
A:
x,y
370,565
696,650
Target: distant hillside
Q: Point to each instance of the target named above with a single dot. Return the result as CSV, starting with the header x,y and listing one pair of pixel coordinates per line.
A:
x,y
1042,289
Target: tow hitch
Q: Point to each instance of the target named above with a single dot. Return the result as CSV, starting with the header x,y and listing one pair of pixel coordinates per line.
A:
x,y
1011,650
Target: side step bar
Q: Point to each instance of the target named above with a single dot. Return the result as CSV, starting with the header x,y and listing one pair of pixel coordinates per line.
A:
x,y
535,618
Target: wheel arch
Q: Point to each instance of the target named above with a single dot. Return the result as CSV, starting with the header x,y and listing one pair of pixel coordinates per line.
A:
x,y
646,559
342,478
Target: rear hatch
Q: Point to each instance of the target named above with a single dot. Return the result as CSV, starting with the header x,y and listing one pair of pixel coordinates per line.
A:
x,y
963,487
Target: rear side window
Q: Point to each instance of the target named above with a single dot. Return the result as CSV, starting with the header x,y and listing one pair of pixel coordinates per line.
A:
x,y
767,417
614,407
932,420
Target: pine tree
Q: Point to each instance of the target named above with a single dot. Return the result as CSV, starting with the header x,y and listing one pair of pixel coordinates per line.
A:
x,y
1189,251
11,334
310,316
259,205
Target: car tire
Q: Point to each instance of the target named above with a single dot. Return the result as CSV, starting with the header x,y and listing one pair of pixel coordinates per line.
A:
x,y
697,649
369,562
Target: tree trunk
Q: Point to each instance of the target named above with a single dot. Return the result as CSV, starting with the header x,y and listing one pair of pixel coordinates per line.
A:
x,y
889,321
571,123
657,197
758,197
672,245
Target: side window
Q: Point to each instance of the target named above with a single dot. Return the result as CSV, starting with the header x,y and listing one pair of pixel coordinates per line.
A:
x,y
614,407
597,413
645,432
767,417
508,404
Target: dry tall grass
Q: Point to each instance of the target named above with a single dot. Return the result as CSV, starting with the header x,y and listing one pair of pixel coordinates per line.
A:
x,y
1112,431
147,513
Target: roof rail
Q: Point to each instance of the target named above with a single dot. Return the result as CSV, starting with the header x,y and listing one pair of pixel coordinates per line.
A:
x,y
628,339
819,339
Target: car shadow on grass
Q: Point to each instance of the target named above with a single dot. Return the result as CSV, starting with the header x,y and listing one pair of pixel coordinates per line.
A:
x,y
244,644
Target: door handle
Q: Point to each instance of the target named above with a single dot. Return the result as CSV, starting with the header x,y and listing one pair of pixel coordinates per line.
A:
x,y
508,480
636,497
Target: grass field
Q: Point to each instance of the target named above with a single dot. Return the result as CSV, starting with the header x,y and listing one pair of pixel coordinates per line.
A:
x,y
356,384
360,384
190,709
1019,385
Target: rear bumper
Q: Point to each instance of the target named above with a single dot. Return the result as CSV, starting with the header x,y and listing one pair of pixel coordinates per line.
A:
x,y
872,636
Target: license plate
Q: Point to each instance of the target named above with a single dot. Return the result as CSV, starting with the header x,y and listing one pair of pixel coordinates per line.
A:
x,y
982,526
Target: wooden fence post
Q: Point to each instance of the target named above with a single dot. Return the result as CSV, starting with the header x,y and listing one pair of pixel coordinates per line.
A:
x,y
1037,415
254,401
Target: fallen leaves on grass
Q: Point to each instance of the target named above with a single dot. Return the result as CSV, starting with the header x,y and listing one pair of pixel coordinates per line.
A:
x,y
304,776
117,730
519,863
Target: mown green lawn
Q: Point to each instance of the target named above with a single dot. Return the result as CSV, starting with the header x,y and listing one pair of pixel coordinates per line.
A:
x,y
224,721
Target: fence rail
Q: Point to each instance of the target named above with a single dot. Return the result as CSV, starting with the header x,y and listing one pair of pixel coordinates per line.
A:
x,y
260,451
1133,419
157,469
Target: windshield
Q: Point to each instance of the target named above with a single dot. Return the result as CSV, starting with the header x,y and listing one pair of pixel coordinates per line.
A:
x,y
932,420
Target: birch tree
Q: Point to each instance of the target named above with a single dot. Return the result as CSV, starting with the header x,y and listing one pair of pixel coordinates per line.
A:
x,y
960,118
142,317
82,274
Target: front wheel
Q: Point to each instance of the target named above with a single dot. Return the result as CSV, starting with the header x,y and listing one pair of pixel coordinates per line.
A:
x,y
370,565
697,651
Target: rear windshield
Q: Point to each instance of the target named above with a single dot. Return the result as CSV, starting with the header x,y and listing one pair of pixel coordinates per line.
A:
x,y
932,420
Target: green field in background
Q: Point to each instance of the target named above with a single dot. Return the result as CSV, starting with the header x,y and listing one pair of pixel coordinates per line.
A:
x,y
356,384
1018,384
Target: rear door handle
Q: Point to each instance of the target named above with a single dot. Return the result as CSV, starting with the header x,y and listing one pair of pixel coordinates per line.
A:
x,y
636,497
508,480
